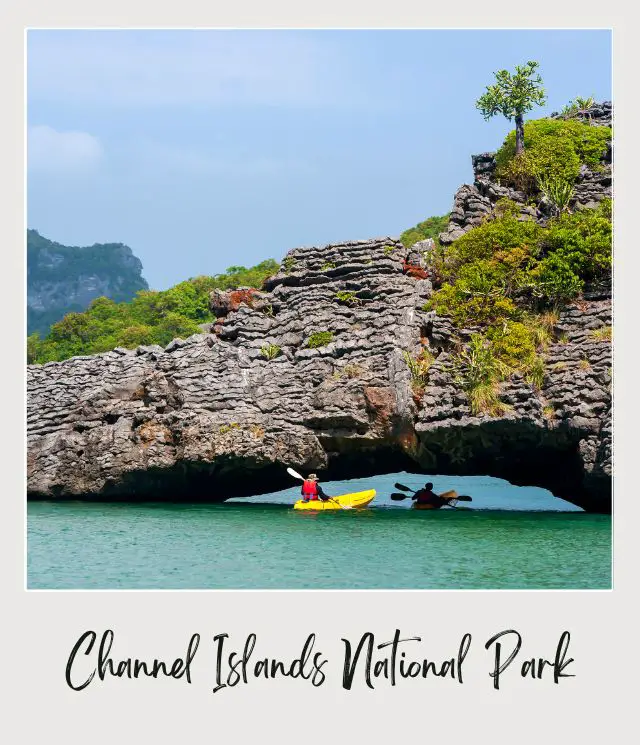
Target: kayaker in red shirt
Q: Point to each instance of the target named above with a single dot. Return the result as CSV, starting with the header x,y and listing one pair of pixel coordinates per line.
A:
x,y
311,489
426,495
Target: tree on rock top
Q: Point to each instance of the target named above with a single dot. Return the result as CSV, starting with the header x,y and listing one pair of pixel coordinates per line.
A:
x,y
512,96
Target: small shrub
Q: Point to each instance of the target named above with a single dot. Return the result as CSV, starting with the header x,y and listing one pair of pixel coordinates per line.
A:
x,y
270,351
226,428
419,366
512,344
477,296
574,106
327,265
576,248
479,372
347,297
350,370
549,320
483,398
557,191
548,412
288,264
554,280
602,334
563,338
540,328
388,249
534,372
257,431
429,228
585,103
419,369
506,207
505,234
554,148
584,364
319,339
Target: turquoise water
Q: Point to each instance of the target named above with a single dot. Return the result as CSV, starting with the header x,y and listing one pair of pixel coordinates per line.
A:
x,y
513,538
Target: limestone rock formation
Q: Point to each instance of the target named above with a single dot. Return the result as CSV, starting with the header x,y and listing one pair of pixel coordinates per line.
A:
x,y
211,417
311,372
475,202
200,415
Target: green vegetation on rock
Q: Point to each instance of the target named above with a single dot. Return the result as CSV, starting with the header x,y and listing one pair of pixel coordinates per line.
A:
x,y
419,368
479,371
348,297
554,151
577,105
602,334
319,339
506,280
270,351
150,318
429,228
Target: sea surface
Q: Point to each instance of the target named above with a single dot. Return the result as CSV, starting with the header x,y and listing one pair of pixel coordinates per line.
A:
x,y
512,538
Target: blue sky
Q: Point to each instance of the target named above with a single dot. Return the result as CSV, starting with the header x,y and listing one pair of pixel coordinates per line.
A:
x,y
204,149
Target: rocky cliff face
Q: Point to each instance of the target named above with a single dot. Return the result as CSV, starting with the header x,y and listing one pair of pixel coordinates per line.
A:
x,y
223,413
61,279
198,416
474,202
211,417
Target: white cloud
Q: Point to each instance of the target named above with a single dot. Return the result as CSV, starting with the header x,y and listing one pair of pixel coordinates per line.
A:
x,y
142,68
50,150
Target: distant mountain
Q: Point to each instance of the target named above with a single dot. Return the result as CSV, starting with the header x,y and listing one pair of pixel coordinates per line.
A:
x,y
61,279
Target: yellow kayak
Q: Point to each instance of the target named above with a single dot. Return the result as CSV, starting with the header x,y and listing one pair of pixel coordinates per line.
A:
x,y
344,501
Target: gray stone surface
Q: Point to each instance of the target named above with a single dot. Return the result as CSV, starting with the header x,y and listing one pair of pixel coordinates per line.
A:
x,y
209,417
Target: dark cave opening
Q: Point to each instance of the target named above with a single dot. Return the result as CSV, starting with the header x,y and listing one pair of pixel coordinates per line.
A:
x,y
531,459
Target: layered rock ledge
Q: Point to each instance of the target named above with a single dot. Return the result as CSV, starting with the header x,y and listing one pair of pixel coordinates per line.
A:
x,y
212,417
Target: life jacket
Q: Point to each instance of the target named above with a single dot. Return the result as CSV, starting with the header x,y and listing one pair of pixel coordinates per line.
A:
x,y
309,489
427,497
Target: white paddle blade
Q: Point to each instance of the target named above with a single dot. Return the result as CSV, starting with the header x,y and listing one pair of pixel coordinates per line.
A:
x,y
295,474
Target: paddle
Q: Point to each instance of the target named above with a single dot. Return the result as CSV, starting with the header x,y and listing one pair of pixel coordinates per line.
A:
x,y
451,495
402,487
445,494
296,475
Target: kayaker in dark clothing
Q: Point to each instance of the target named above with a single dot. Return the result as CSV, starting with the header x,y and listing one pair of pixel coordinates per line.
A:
x,y
426,495
311,489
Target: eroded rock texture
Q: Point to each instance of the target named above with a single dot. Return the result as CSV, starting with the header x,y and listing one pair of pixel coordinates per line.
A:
x,y
223,413
211,417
